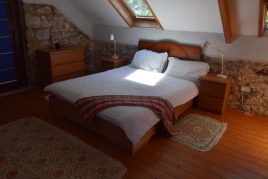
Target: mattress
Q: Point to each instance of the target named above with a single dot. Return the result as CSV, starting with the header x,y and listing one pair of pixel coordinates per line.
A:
x,y
134,120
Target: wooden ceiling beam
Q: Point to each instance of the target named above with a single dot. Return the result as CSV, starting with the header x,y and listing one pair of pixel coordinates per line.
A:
x,y
261,17
225,19
122,11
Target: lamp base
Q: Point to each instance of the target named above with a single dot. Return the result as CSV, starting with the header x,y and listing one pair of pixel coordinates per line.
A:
x,y
115,56
221,75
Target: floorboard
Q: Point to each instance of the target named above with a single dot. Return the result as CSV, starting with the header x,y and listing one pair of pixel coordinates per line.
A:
x,y
241,153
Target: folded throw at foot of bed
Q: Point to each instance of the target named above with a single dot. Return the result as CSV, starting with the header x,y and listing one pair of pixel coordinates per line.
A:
x,y
88,107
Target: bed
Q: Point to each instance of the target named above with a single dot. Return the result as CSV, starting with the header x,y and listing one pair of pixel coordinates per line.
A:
x,y
113,124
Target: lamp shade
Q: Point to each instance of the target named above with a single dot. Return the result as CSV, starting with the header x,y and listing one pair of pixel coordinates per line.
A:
x,y
112,37
206,44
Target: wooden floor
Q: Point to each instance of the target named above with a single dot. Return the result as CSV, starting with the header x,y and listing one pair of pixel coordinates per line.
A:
x,y
241,153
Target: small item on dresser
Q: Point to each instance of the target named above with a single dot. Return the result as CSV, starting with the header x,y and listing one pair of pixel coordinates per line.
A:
x,y
214,92
57,45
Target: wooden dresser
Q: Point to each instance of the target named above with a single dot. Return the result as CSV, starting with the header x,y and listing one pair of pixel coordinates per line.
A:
x,y
214,92
108,63
57,65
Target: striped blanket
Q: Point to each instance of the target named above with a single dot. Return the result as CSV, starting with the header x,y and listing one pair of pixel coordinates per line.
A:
x,y
90,106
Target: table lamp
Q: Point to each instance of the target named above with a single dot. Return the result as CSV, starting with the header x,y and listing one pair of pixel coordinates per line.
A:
x,y
206,45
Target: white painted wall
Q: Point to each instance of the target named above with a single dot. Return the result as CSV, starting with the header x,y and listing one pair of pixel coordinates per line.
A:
x,y
85,24
244,47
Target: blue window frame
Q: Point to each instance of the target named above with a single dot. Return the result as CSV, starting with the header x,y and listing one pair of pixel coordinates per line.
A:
x,y
7,67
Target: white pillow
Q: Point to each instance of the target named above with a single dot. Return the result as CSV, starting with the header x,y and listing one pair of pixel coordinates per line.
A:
x,y
149,60
188,70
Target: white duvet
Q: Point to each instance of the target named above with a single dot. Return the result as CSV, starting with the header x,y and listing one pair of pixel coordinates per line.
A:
x,y
135,121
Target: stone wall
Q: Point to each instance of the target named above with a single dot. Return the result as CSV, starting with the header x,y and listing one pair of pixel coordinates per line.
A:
x,y
45,26
243,72
246,73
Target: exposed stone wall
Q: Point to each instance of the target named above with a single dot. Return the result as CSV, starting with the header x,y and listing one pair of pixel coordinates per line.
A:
x,y
243,72
246,73
45,26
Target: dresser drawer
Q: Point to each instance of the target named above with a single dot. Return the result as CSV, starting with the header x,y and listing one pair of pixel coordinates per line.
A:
x,y
210,103
67,57
67,68
212,89
60,64
67,76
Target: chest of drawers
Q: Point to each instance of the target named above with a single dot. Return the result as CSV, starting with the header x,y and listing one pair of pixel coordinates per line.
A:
x,y
57,65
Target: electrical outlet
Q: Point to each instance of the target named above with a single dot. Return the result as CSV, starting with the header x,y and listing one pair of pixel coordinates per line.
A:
x,y
245,89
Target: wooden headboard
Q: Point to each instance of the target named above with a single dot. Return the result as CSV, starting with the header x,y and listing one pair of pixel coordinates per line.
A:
x,y
184,52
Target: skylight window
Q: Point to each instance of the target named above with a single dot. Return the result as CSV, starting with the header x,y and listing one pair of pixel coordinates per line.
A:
x,y
139,8
136,13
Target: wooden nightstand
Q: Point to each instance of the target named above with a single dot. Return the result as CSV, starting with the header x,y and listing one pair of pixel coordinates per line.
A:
x,y
108,63
213,92
57,65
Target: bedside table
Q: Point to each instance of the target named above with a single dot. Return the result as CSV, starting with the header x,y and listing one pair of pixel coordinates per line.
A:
x,y
213,92
108,63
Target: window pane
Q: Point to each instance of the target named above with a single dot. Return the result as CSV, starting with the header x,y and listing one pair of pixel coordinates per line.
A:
x,y
7,75
6,61
5,44
138,8
3,14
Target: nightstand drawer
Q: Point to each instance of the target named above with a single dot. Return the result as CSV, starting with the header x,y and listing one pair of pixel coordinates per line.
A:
x,y
212,89
210,103
108,63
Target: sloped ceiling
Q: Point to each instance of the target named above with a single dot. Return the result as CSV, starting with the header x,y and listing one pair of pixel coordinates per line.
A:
x,y
185,15
180,15
101,12
188,15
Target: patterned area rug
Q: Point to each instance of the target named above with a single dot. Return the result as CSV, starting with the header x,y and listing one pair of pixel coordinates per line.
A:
x,y
199,132
31,148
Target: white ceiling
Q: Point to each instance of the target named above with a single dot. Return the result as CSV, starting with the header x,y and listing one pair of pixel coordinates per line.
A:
x,y
179,15
101,12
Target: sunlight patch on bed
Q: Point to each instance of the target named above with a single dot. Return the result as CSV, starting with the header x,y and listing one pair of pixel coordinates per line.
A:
x,y
146,78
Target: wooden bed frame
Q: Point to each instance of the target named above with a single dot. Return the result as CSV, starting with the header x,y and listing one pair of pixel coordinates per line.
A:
x,y
111,132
